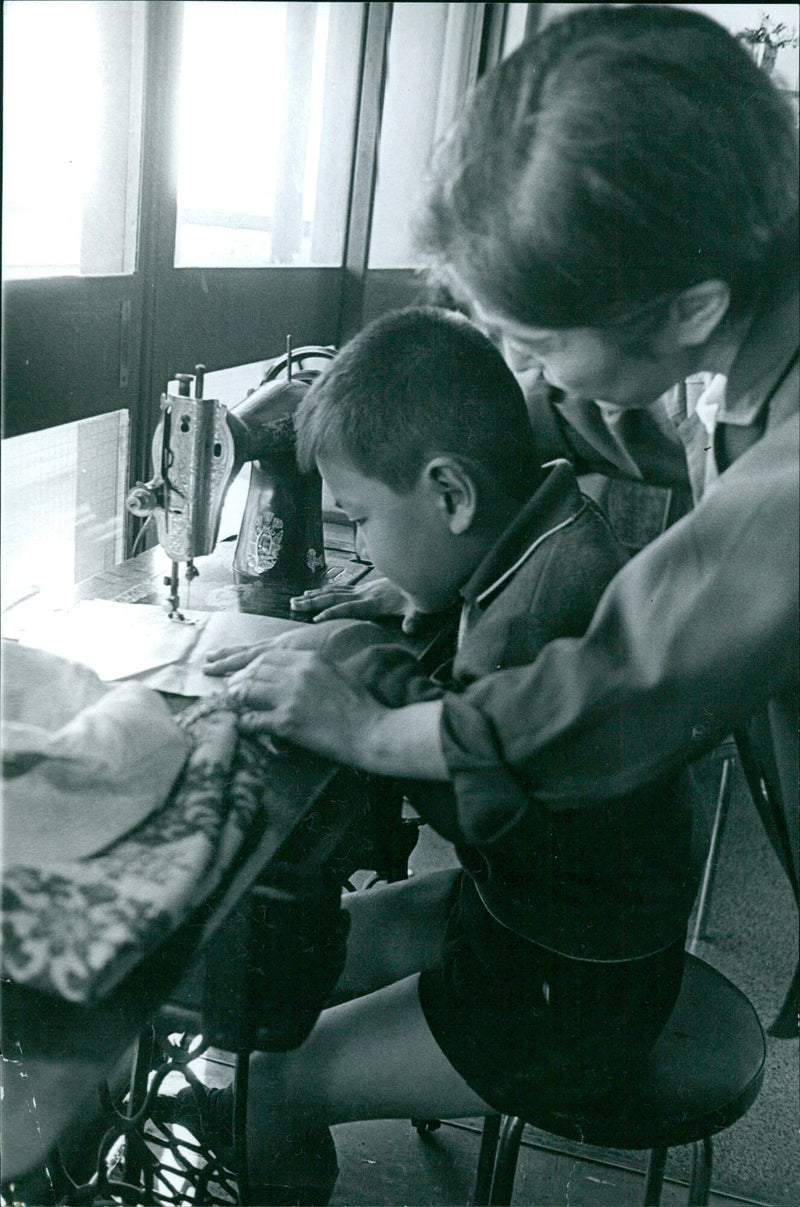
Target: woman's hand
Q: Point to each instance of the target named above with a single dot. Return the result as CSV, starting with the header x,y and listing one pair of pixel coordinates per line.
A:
x,y
375,599
299,696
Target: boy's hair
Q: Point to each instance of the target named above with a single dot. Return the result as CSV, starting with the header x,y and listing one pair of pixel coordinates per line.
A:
x,y
415,384
618,157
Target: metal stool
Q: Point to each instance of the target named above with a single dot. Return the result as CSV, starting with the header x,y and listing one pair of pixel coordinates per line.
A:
x,y
703,1074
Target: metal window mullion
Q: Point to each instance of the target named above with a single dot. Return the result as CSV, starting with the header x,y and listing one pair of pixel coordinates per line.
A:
x,y
533,22
155,257
372,84
459,62
492,36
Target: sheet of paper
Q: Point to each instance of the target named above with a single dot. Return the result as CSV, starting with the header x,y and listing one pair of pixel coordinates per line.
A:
x,y
116,640
220,630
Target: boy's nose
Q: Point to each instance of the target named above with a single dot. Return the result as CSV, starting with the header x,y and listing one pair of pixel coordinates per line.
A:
x,y
362,550
519,359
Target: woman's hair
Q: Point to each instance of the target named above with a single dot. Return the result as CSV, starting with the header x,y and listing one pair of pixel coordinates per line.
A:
x,y
415,384
616,158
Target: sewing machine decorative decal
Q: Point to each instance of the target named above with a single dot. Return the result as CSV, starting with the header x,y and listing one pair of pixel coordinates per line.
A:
x,y
268,541
198,449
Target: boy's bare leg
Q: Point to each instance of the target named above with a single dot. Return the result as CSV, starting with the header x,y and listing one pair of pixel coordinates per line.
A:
x,y
395,929
370,1058
374,1056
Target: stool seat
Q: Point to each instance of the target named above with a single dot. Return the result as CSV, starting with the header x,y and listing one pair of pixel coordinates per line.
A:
x,y
703,1074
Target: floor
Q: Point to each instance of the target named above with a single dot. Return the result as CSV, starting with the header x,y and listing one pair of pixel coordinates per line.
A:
x,y
388,1163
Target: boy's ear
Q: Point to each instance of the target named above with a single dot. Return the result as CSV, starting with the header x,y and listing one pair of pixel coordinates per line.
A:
x,y
453,491
697,312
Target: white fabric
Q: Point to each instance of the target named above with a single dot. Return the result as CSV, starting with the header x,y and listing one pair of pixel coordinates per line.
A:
x,y
83,764
707,408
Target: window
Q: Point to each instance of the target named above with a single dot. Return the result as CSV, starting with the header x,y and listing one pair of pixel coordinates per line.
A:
x,y
432,61
517,20
435,52
62,498
72,103
267,113
248,130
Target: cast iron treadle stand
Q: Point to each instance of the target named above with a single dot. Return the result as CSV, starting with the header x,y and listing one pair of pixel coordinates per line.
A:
x,y
141,1163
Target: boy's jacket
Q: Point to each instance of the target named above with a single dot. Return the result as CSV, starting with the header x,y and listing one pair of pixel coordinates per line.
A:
x,y
600,880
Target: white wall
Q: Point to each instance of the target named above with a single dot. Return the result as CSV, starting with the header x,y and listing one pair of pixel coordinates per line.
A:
x,y
735,17
748,16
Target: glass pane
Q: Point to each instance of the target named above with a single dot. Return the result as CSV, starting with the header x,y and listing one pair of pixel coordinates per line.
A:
x,y
516,19
63,493
266,122
432,62
72,104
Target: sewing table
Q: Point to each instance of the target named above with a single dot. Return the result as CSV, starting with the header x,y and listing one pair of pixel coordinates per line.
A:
x,y
57,1053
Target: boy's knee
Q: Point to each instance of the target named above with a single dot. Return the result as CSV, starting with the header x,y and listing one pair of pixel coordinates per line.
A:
x,y
409,907
395,930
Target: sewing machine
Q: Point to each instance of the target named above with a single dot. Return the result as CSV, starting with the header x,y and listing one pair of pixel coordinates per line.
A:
x,y
199,448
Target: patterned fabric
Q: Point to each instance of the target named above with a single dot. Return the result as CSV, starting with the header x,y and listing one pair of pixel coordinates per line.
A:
x,y
76,928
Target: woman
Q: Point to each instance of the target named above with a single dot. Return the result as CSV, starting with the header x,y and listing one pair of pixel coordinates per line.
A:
x,y
637,225
618,207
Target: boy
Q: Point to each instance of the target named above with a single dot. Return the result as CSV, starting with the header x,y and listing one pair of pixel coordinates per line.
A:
x,y
553,955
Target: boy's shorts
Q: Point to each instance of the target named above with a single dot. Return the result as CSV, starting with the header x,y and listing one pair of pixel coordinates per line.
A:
x,y
526,1027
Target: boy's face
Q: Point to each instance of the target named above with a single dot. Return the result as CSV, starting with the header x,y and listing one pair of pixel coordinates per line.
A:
x,y
405,536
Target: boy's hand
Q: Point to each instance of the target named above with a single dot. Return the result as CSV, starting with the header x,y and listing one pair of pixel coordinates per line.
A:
x,y
232,658
378,598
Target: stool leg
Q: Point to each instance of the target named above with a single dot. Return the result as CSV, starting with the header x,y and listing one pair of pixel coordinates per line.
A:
x,y
655,1177
700,1185
709,871
142,1064
240,1084
505,1168
486,1157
